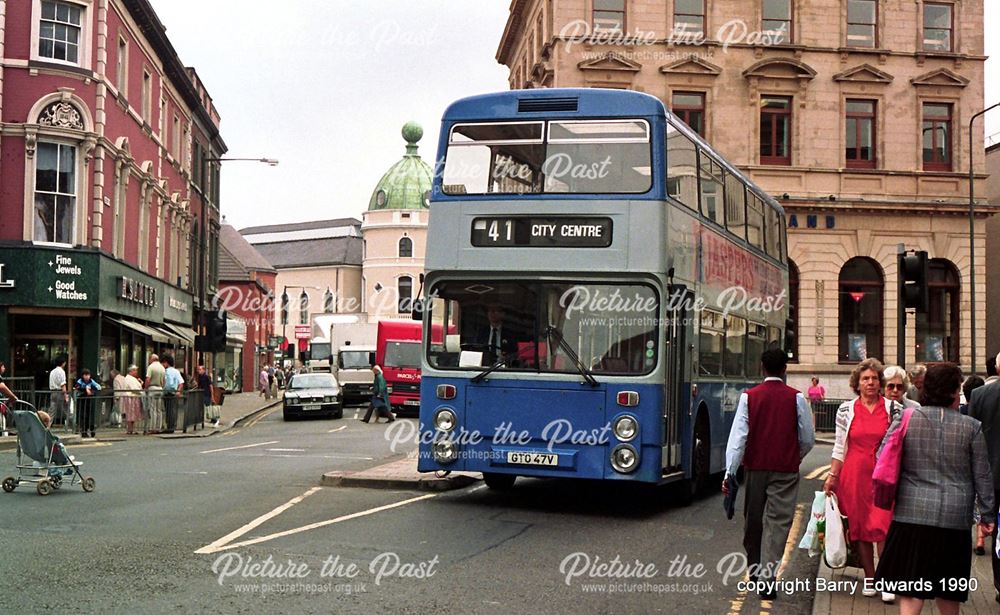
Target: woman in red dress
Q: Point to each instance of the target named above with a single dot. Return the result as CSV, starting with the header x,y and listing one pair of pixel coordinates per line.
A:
x,y
861,425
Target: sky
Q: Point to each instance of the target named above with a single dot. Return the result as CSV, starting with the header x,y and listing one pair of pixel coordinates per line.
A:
x,y
325,87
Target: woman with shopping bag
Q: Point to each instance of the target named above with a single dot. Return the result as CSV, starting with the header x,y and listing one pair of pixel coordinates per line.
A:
x,y
861,426
944,474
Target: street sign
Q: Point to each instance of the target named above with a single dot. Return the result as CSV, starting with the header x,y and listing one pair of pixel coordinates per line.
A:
x,y
274,342
303,332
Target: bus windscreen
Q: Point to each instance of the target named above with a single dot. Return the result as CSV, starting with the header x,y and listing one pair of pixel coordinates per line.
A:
x,y
611,328
563,157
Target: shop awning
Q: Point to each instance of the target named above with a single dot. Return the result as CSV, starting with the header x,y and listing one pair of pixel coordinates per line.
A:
x,y
187,335
155,334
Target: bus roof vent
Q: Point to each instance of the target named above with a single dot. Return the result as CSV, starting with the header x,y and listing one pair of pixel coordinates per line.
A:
x,y
536,105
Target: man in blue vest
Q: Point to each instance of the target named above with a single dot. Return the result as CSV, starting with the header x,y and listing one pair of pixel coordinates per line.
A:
x,y
771,434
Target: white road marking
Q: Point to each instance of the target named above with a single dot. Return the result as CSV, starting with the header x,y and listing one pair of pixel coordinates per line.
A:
x,y
218,545
233,448
341,428
221,546
287,450
352,457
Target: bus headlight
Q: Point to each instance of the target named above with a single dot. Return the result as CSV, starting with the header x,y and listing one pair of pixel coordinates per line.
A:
x,y
444,451
624,458
626,428
445,420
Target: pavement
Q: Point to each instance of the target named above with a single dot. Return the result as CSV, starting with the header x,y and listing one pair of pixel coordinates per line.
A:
x,y
400,474
236,410
836,603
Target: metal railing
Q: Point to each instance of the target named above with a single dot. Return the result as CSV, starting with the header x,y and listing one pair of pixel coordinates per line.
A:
x,y
148,411
825,414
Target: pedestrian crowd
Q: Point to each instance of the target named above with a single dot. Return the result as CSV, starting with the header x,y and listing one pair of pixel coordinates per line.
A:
x,y
152,404
940,433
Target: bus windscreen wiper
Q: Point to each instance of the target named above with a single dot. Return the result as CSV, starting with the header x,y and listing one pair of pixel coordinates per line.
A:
x,y
492,368
552,332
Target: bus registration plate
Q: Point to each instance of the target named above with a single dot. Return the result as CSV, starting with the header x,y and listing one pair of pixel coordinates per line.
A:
x,y
533,459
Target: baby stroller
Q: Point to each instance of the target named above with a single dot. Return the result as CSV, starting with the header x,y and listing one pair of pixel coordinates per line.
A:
x,y
51,465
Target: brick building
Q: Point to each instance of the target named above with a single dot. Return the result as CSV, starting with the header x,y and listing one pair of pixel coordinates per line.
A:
x,y
246,291
108,188
853,113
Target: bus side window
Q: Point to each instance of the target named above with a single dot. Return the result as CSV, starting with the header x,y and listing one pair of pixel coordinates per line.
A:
x,y
756,342
773,236
755,221
710,345
682,167
736,333
736,206
710,174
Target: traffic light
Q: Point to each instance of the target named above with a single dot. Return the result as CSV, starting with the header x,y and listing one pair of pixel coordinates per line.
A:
x,y
284,308
915,293
216,331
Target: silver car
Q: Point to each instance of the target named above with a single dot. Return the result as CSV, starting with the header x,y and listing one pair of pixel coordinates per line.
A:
x,y
313,395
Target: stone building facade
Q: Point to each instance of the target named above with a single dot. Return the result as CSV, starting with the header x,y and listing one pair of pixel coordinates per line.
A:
x,y
852,113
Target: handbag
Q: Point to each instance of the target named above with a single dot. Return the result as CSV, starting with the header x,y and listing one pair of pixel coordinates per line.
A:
x,y
835,548
885,478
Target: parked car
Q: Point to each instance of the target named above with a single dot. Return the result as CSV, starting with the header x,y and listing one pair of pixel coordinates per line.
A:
x,y
312,395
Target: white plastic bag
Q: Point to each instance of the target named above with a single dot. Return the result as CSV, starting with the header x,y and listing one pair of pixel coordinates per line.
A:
x,y
814,536
835,550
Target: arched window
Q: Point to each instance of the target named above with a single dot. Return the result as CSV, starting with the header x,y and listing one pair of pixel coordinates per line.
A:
x,y
328,301
793,311
405,248
405,287
937,330
860,295
304,308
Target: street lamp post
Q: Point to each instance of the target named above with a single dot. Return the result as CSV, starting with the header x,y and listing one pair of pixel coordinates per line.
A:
x,y
202,282
972,236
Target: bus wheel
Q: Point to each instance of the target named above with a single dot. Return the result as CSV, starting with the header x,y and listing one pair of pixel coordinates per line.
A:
x,y
688,488
701,459
499,482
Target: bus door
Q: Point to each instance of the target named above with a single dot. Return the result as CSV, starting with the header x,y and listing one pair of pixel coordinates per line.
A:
x,y
675,390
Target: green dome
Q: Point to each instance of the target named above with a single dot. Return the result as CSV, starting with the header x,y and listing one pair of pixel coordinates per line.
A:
x,y
407,184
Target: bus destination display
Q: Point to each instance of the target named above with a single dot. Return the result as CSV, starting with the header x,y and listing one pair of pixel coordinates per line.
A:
x,y
542,232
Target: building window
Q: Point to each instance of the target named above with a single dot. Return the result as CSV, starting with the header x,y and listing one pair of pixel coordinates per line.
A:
x,y
937,137
937,330
777,21
775,130
860,134
861,310
175,139
862,23
147,95
328,301
405,248
689,16
793,312
690,107
122,74
609,15
55,193
938,24
304,308
405,288
59,32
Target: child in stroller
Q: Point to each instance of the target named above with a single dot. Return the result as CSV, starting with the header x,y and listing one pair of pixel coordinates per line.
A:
x,y
51,462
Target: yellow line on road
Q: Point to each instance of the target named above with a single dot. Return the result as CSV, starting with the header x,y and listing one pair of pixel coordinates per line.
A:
x,y
736,605
319,524
218,545
818,472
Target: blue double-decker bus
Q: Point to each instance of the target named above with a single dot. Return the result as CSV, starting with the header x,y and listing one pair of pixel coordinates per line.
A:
x,y
606,283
